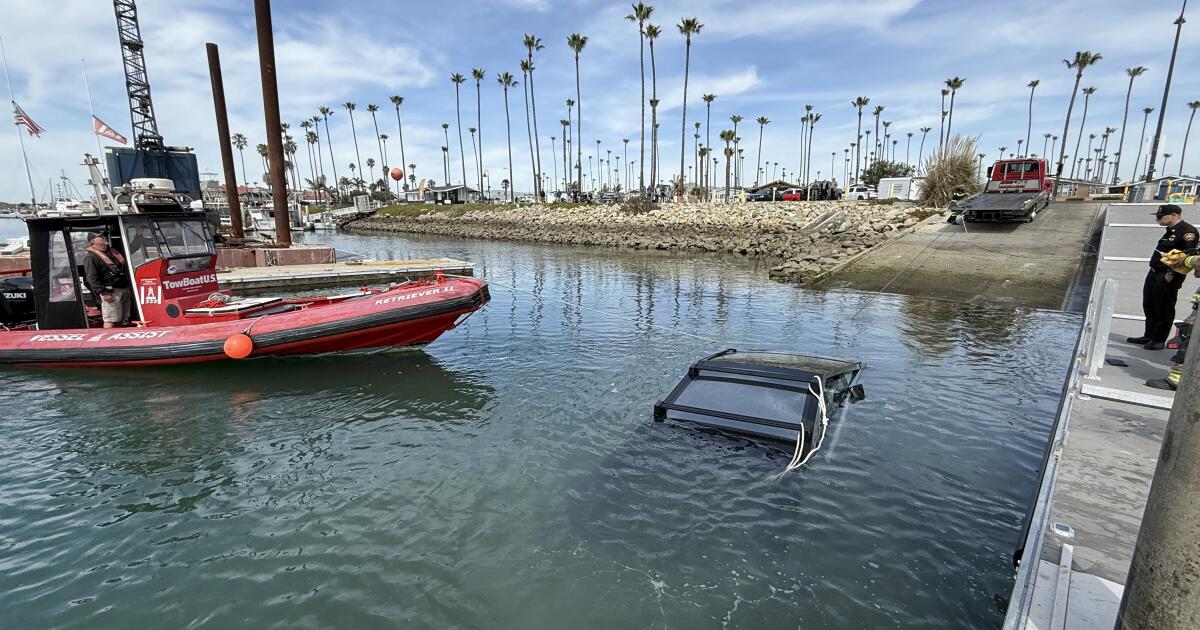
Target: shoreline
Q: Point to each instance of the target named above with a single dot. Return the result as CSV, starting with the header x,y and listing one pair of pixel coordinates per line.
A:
x,y
806,239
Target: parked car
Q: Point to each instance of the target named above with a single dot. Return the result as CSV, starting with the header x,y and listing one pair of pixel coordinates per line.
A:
x,y
764,194
794,194
861,192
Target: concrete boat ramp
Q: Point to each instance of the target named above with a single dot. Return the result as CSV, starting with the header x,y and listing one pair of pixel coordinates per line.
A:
x,y
251,280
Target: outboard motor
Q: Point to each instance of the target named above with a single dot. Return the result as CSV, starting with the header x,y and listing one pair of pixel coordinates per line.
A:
x,y
16,301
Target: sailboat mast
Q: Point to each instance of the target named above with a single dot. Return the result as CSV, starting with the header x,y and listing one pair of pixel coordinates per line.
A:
x,y
20,138
92,110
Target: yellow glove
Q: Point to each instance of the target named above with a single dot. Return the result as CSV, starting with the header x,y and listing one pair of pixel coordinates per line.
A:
x,y
1196,297
1177,261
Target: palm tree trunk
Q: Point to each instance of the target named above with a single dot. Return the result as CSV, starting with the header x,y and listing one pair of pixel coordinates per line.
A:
x,y
579,126
354,134
1029,124
758,162
1141,142
242,155
529,136
462,156
808,156
803,143
479,129
687,61
400,129
1079,140
942,124
1183,153
653,119
332,160
950,116
921,152
1121,144
538,193
642,154
858,144
1062,151
508,131
379,143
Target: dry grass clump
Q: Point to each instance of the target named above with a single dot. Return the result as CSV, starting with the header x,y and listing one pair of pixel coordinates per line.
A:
x,y
638,205
954,166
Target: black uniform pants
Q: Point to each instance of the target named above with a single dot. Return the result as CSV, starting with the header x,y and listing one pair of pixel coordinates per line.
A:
x,y
1159,295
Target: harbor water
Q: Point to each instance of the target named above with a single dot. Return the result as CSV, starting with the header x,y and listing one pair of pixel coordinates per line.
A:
x,y
511,475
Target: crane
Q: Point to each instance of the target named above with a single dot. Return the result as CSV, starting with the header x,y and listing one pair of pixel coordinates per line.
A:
x,y
137,85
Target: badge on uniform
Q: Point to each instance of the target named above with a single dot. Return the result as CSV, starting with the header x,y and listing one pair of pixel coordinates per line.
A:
x,y
1189,237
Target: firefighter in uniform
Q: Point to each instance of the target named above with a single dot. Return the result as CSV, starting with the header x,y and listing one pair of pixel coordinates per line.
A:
x,y
1183,263
1161,288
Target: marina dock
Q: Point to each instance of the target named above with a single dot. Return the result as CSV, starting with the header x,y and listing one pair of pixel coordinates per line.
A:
x,y
251,280
1105,447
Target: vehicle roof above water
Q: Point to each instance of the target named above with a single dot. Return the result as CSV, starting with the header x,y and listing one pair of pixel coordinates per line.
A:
x,y
786,360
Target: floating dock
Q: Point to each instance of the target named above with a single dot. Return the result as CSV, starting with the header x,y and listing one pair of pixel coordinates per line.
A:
x,y
1105,446
251,280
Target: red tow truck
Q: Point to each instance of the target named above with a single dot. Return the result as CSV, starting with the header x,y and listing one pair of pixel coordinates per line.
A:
x,y
1015,191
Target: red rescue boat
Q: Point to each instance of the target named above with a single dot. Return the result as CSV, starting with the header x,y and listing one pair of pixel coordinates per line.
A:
x,y
179,313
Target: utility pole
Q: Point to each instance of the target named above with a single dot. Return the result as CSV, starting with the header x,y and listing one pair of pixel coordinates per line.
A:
x,y
231,189
1162,111
270,88
1162,591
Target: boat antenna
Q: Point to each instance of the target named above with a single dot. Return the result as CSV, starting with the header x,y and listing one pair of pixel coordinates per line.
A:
x,y
20,138
92,109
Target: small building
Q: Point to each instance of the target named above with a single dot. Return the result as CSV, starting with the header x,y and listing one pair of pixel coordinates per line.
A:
x,y
456,193
1174,189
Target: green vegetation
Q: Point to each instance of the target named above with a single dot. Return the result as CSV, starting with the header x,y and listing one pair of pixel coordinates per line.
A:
x,y
884,168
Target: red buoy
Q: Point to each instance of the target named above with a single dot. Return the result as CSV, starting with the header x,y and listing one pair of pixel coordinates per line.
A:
x,y
239,346
397,174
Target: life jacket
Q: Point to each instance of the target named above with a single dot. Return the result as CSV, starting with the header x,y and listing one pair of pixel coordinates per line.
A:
x,y
116,269
104,256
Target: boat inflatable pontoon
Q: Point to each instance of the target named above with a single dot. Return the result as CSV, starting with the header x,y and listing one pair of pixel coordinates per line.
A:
x,y
774,395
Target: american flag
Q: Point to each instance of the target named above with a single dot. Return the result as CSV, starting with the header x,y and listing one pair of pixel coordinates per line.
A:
x,y
21,118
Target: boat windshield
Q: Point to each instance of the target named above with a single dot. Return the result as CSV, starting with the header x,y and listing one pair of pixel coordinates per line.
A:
x,y
150,239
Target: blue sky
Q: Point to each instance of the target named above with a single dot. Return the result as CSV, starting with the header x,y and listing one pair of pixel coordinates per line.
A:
x,y
760,58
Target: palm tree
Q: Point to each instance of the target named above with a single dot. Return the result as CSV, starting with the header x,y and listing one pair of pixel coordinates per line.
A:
x,y
641,13
1141,140
531,44
316,121
942,126
577,42
762,122
326,113
1133,73
708,101
505,79
626,141
383,138
458,79
378,144
804,133
887,134
735,119
1083,59
397,101
1162,111
1046,143
1194,105
1032,85
239,142
472,130
478,74
687,27
1087,95
652,33
812,123
727,136
358,161
446,151
858,103
908,149
566,135
878,110
954,83
526,66
263,154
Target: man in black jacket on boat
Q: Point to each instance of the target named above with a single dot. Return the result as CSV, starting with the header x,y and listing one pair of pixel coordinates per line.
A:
x,y
106,277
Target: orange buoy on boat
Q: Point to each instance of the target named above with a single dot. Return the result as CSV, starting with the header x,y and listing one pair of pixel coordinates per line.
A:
x,y
239,346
